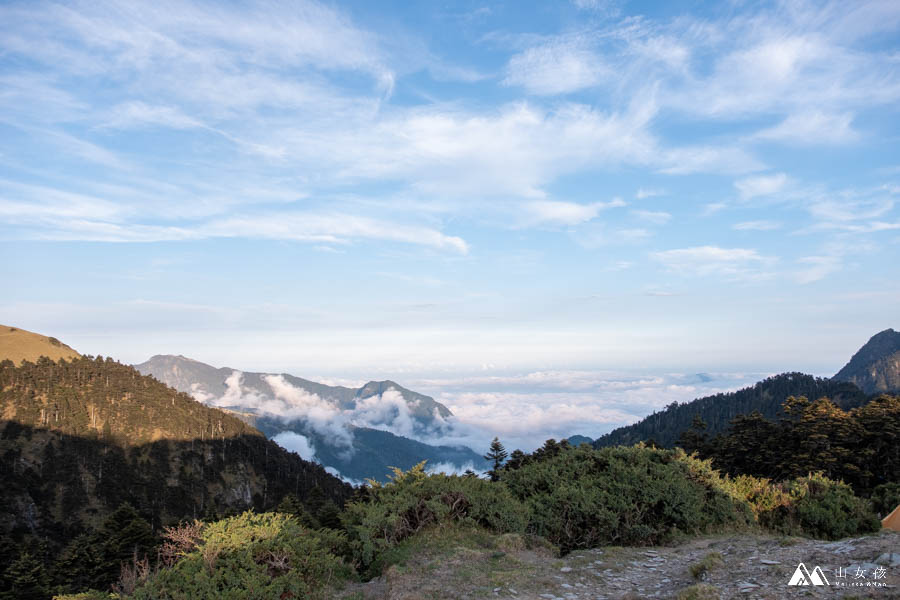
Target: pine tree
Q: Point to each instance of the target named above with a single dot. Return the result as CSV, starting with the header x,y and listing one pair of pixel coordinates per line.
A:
x,y
516,460
496,454
125,534
694,439
27,578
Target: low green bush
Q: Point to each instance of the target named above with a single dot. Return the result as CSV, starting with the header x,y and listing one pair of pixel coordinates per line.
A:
x,y
818,507
414,500
581,498
250,556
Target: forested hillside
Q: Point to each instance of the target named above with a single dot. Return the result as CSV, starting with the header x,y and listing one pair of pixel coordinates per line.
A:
x,y
766,397
82,439
858,447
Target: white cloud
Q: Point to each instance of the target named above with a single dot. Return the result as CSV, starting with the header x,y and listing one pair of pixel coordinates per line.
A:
x,y
328,228
816,268
597,235
288,403
812,128
657,217
71,216
846,207
713,208
514,150
138,114
566,213
385,411
731,263
295,442
525,409
648,193
708,159
608,7
763,185
351,481
757,226
558,67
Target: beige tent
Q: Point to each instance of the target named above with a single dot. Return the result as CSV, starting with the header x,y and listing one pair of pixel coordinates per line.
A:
x,y
892,521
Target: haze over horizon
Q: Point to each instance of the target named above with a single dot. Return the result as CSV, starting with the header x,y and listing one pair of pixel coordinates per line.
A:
x,y
347,191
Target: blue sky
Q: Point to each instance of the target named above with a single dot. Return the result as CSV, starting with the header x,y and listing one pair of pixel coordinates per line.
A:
x,y
420,189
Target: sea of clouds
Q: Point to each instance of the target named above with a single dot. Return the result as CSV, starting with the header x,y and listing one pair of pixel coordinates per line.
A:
x,y
522,409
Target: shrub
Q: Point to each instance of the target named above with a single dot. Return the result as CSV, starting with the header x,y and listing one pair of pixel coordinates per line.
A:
x,y
581,498
250,556
885,498
814,506
414,500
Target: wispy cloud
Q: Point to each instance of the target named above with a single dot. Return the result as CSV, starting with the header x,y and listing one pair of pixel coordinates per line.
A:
x,y
333,228
567,213
813,128
815,268
557,67
657,217
763,185
757,226
648,193
730,263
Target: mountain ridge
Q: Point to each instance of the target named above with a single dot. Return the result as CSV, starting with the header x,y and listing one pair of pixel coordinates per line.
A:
x,y
206,379
360,432
875,367
665,426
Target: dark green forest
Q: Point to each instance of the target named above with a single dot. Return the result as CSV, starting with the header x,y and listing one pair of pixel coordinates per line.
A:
x,y
766,397
90,446
858,446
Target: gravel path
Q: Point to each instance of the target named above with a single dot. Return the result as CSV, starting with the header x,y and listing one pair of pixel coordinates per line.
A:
x,y
737,566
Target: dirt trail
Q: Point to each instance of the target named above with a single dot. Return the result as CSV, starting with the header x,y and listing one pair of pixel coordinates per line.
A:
x,y
739,566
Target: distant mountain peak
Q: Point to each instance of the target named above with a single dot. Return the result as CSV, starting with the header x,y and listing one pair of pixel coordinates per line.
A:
x,y
193,376
876,366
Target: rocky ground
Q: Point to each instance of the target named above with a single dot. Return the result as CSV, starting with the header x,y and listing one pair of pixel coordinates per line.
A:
x,y
733,566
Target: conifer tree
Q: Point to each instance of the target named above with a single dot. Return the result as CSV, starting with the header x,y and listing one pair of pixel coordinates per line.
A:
x,y
27,578
695,438
496,454
516,460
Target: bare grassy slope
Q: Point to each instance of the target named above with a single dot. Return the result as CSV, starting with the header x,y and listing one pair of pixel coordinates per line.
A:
x,y
19,345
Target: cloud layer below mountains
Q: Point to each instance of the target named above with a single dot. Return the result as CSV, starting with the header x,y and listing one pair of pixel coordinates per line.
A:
x,y
525,409
522,409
